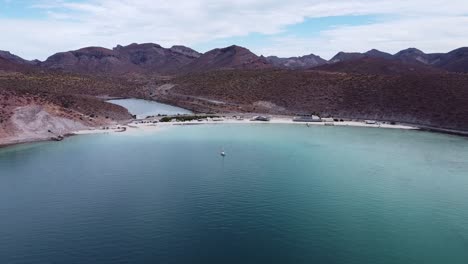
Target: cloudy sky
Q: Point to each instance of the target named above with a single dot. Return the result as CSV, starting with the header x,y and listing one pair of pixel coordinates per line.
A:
x,y
37,29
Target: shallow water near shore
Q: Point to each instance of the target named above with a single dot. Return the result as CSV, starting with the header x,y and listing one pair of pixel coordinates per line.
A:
x,y
283,194
143,108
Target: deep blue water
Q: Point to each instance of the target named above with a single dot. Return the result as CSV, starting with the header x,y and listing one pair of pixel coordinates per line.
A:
x,y
143,108
283,194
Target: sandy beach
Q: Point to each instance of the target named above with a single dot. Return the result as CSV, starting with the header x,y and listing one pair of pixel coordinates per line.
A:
x,y
152,124
148,125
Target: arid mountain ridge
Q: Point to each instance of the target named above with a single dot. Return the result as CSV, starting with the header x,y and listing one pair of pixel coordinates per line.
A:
x,y
155,59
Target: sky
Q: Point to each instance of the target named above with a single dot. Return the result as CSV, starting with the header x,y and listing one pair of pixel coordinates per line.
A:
x,y
286,28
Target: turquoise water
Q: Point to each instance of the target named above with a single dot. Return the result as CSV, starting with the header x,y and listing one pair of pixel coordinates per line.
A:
x,y
144,108
283,194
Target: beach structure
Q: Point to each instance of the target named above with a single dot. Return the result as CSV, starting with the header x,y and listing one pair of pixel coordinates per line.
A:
x,y
307,118
328,119
261,118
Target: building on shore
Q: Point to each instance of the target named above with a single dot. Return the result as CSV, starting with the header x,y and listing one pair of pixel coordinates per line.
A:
x,y
307,118
261,118
328,119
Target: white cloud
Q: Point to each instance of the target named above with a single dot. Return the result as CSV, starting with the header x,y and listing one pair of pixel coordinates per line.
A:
x,y
430,34
432,25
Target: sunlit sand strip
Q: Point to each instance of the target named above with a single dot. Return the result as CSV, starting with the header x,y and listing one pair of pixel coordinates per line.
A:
x,y
141,126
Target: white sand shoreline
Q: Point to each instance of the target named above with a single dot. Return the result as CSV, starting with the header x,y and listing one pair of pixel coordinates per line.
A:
x,y
148,125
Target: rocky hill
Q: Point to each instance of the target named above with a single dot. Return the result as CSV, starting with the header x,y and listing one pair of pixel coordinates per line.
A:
x,y
233,57
303,62
376,65
346,56
454,61
6,55
11,62
373,53
413,55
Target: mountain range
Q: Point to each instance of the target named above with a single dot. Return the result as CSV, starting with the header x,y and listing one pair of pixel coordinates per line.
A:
x,y
67,91
155,59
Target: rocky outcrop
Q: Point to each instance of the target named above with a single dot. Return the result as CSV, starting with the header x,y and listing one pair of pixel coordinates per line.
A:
x,y
39,122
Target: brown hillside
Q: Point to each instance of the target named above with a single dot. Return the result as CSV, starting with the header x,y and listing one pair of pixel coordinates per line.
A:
x,y
429,99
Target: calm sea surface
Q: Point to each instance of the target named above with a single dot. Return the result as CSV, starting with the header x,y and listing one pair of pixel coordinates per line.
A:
x,y
144,108
283,194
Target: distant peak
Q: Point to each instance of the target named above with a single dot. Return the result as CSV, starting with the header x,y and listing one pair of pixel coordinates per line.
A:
x,y
179,47
311,55
234,47
374,51
93,48
342,56
411,50
137,45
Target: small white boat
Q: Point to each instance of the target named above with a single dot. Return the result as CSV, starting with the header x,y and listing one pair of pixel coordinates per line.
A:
x,y
222,153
